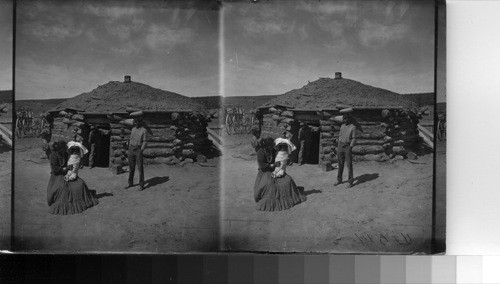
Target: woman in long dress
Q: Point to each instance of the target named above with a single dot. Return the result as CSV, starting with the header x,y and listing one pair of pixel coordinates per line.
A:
x,y
273,194
66,197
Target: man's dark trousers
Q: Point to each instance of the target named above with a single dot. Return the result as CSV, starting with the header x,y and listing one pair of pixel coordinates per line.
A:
x,y
304,151
135,156
344,155
92,155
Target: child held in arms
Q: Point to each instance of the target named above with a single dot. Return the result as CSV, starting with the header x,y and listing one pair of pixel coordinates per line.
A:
x,y
76,151
285,148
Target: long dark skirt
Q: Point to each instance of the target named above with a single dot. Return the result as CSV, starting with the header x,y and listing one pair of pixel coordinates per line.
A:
x,y
276,194
71,197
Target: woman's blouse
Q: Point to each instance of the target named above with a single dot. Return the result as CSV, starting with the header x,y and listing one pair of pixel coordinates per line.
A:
x,y
56,165
265,162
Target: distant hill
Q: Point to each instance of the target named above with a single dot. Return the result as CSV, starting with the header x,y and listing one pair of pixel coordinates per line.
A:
x,y
6,96
422,99
38,106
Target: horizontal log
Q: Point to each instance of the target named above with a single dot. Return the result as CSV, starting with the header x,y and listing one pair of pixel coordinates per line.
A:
x,y
329,128
119,152
337,119
127,122
114,138
326,135
79,124
327,150
377,135
132,109
369,142
160,145
160,138
118,144
68,121
369,123
116,125
78,117
119,131
398,150
367,149
188,146
158,152
276,117
137,113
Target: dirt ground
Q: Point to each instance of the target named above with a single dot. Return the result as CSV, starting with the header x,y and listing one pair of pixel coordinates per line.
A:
x,y
5,194
177,212
389,210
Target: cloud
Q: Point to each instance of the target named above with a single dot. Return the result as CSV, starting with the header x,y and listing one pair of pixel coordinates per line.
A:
x,y
376,35
45,81
112,12
337,46
127,49
336,29
53,32
258,28
327,8
161,37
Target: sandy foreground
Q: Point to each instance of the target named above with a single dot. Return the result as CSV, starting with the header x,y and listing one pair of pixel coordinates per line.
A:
x,y
5,194
389,210
178,212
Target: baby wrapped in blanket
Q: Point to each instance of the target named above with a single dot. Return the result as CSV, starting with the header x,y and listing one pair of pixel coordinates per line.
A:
x,y
285,148
76,151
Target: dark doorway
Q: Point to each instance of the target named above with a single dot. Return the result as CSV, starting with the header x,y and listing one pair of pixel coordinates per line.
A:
x,y
314,152
103,151
313,156
102,147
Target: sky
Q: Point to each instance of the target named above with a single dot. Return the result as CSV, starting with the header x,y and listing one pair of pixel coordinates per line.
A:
x,y
65,48
271,47
6,38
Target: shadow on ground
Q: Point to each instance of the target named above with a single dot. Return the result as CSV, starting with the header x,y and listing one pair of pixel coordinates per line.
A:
x,y
365,178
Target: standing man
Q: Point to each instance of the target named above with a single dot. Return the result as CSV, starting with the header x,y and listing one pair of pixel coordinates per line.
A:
x,y
305,142
93,142
136,147
346,141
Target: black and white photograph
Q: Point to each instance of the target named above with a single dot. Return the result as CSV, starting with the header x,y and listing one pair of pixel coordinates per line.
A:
x,y
6,47
116,148
329,126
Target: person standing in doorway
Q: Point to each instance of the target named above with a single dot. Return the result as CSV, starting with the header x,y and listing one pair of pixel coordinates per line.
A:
x,y
93,142
346,141
136,147
305,142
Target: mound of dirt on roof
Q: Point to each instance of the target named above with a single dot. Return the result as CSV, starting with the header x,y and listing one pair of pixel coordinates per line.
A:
x,y
117,96
325,93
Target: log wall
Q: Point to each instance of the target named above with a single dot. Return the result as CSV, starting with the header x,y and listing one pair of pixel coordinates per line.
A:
x,y
171,138
382,135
